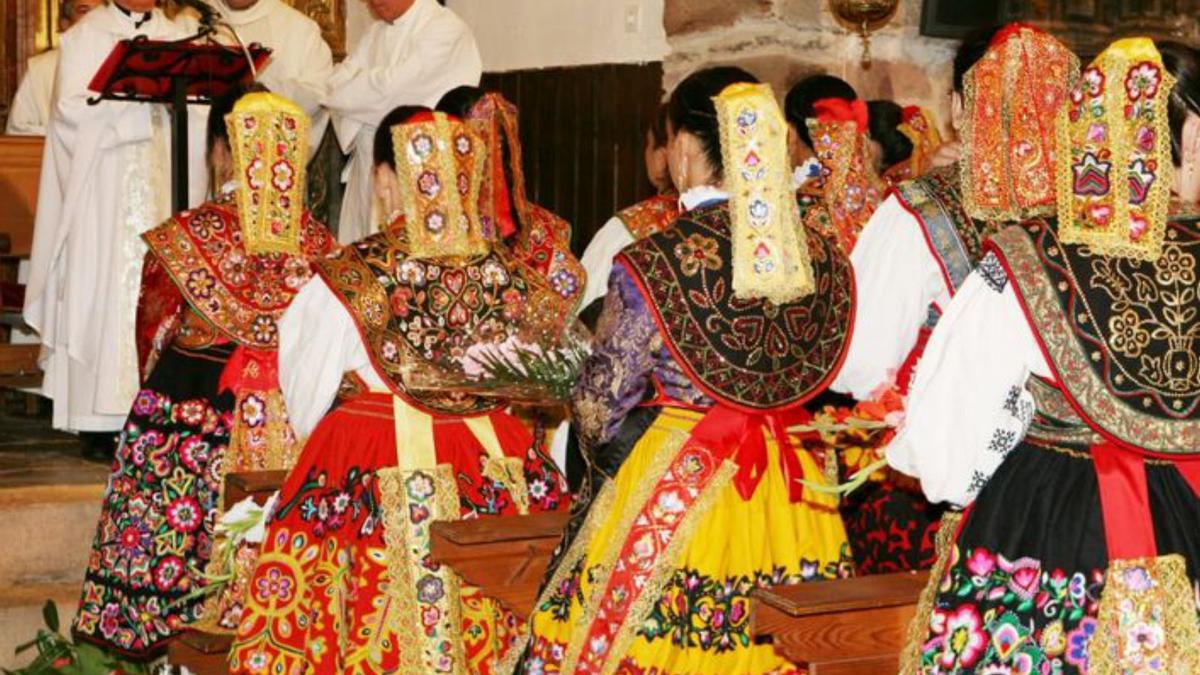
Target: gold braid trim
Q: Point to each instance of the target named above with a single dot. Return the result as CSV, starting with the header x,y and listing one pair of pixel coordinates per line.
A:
x,y
910,657
597,514
510,473
407,544
1158,597
664,566
602,568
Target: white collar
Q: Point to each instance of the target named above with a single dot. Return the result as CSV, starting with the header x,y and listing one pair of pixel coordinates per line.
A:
x,y
809,170
242,17
701,194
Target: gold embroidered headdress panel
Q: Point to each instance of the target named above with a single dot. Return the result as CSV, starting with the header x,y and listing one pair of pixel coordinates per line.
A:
x,y
268,137
439,163
1013,95
770,252
1115,172
919,127
839,135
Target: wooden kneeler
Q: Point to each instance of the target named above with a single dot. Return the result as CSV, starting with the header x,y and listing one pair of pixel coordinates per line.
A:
x,y
504,557
208,653
844,627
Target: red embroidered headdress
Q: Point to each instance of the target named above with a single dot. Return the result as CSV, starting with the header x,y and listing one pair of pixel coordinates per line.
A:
x,y
1013,96
853,190
920,128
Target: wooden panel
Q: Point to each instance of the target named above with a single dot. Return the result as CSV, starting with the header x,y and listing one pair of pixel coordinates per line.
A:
x,y
583,130
257,484
20,170
848,626
505,557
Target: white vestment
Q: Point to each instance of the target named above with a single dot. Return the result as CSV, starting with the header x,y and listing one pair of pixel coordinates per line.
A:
x,y
105,180
301,62
30,109
414,60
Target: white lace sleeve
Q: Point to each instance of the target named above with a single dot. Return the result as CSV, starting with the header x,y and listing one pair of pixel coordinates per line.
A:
x,y
598,258
897,279
968,406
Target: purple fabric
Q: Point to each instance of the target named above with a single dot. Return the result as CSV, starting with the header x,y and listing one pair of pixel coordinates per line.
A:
x,y
628,351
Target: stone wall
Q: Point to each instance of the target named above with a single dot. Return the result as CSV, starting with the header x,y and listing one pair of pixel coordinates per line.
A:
x,y
781,41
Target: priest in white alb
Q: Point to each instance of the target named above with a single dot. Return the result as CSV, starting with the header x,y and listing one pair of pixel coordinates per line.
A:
x,y
30,109
413,53
105,180
301,62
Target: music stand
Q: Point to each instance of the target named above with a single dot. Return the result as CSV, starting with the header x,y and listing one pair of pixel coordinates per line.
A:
x,y
177,73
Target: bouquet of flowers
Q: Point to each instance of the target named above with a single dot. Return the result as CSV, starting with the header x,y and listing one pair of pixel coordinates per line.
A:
x,y
855,439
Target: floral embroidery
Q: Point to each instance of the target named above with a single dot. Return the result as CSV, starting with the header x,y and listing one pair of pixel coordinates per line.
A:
x,y
698,252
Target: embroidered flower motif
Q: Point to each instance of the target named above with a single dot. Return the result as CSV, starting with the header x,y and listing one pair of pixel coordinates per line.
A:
x,y
1093,81
134,538
1126,333
1142,81
411,272
462,144
564,283
200,283
167,573
493,273
747,118
283,175
965,640
184,514
274,586
146,403
235,268
429,184
1078,641
697,252
194,453
981,562
254,411
429,589
422,146
263,329
435,222
420,486
1175,267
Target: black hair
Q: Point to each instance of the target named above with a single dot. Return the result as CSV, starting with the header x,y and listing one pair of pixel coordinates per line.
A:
x,y
1184,63
459,101
798,105
972,49
886,118
691,107
384,149
657,131
217,132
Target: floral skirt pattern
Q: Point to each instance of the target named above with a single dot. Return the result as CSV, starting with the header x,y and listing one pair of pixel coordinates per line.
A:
x,y
1023,580
156,526
332,593
697,618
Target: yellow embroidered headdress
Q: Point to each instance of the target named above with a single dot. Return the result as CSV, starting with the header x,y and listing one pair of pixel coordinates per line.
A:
x,y
1013,95
770,252
919,127
1115,172
839,136
439,163
268,137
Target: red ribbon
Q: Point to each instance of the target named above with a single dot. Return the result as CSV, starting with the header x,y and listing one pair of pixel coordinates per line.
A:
x,y
250,370
501,201
739,435
840,110
1124,502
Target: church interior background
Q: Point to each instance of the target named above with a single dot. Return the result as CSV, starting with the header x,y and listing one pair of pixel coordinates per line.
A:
x,y
586,75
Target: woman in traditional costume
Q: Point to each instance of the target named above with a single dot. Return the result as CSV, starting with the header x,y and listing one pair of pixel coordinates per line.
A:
x,y
919,127
344,583
714,334
919,247
1080,546
214,284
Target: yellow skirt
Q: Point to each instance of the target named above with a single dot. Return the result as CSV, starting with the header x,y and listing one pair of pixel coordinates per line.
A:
x,y
694,613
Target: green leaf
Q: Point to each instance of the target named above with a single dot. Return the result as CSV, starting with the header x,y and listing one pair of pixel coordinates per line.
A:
x,y
50,615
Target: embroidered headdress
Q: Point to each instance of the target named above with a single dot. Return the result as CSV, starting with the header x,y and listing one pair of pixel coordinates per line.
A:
x,y
495,119
268,137
1013,95
919,127
853,189
439,163
1115,137
770,252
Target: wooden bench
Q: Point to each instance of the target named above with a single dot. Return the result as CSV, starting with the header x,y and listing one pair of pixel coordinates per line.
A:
x,y
505,557
20,172
844,627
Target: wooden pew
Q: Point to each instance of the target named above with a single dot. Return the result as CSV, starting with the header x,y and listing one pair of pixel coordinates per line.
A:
x,y
505,557
207,653
20,171
844,627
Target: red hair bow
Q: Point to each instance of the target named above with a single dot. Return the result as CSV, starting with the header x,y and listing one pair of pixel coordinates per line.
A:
x,y
1010,31
840,110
